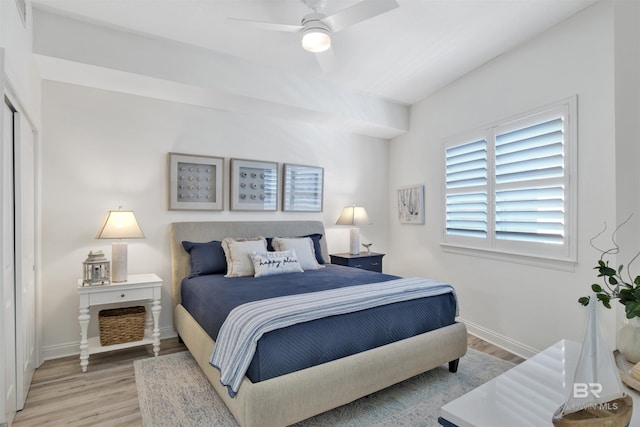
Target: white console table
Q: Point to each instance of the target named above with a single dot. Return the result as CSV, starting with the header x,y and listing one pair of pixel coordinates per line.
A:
x,y
138,287
526,395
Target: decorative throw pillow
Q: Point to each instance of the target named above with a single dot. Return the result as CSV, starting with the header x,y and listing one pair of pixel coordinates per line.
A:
x,y
205,258
304,250
237,251
270,263
315,238
316,246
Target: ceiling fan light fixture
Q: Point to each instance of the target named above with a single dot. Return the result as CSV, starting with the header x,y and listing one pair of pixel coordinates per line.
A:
x,y
316,40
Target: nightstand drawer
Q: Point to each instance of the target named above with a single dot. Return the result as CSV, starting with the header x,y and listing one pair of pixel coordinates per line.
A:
x,y
122,295
373,264
366,261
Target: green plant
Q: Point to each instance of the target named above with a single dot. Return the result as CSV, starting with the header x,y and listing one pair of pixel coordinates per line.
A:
x,y
625,290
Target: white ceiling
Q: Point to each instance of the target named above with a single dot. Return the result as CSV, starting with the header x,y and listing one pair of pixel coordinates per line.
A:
x,y
402,55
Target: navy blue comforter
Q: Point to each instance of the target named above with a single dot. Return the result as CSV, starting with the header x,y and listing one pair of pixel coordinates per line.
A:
x,y
209,299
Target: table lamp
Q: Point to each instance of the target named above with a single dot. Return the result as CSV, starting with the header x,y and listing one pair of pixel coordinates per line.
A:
x,y
354,216
119,225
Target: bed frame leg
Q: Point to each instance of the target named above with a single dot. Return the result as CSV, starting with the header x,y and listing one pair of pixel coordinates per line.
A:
x,y
453,366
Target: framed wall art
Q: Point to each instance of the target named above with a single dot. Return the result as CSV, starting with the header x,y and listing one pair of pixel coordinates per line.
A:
x,y
302,188
254,185
195,182
411,204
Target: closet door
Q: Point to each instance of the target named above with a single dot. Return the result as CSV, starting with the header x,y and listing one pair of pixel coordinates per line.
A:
x,y
8,314
25,202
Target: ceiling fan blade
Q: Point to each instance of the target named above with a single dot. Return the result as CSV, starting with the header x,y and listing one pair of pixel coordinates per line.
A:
x,y
326,60
266,25
359,12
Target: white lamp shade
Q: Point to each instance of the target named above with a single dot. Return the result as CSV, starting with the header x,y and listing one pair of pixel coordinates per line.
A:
x,y
353,215
316,40
120,225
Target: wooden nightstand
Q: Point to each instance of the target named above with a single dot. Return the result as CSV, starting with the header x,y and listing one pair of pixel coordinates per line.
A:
x,y
138,287
367,261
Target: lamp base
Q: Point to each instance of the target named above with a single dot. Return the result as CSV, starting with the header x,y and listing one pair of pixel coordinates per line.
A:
x,y
354,241
119,262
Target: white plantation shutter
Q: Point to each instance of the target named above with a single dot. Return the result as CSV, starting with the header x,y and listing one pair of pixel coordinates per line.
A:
x,y
530,192
531,215
508,189
467,214
466,182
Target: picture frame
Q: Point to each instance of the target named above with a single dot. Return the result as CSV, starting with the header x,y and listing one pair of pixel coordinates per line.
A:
x,y
303,188
411,204
254,185
195,182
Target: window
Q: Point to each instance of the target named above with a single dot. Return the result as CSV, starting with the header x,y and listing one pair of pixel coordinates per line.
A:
x,y
508,186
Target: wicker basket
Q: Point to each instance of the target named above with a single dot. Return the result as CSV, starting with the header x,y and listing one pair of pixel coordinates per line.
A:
x,y
121,325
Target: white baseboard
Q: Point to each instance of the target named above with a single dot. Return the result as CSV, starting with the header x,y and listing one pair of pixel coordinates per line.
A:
x,y
73,348
501,341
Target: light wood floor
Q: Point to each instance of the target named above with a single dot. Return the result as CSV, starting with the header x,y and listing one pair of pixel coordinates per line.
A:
x,y
485,347
61,395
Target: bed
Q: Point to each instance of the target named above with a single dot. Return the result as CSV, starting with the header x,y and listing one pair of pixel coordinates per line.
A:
x,y
291,397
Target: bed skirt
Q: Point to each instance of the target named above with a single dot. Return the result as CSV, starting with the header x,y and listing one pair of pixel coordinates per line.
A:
x,y
302,394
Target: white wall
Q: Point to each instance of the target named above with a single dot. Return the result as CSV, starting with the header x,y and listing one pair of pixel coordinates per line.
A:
x,y
103,149
16,37
522,307
627,90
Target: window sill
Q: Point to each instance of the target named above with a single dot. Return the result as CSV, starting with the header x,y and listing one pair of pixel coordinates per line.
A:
x,y
536,261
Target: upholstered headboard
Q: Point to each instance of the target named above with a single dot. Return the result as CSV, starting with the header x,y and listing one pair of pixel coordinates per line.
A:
x,y
207,231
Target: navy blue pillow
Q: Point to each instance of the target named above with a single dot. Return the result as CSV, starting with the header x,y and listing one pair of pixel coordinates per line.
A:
x,y
315,238
206,258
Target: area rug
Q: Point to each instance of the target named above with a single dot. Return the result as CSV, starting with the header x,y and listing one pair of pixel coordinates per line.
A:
x,y
173,391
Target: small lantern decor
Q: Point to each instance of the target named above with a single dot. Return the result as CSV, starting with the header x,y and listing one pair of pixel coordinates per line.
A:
x,y
97,270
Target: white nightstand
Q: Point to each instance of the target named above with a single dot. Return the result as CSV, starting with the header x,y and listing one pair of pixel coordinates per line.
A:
x,y
137,287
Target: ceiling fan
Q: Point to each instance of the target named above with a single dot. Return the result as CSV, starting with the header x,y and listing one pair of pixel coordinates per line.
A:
x,y
316,27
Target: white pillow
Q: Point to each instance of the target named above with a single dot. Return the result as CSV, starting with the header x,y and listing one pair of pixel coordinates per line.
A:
x,y
269,263
303,247
237,251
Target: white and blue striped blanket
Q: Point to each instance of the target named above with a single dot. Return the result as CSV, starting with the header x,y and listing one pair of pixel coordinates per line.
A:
x,y
237,340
